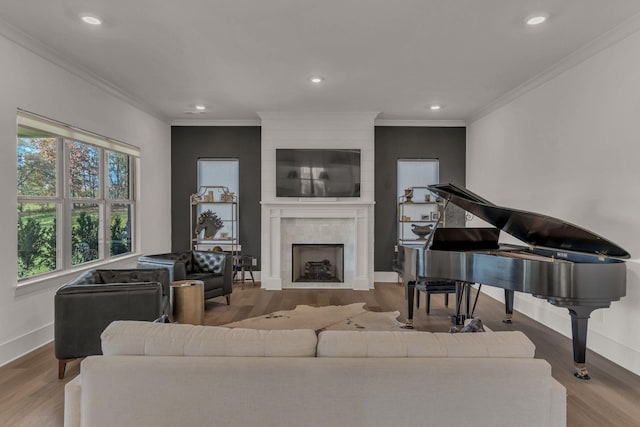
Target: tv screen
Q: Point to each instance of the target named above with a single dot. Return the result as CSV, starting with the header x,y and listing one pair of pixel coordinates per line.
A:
x,y
317,173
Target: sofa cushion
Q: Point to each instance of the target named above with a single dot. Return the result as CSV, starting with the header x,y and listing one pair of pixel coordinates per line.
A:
x,y
160,339
423,344
317,392
487,344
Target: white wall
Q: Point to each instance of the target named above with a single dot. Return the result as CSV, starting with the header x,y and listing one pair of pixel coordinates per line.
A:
x,y
317,130
570,148
32,83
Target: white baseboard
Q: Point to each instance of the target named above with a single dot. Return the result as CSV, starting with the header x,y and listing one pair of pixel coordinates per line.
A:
x,y
559,320
18,347
386,276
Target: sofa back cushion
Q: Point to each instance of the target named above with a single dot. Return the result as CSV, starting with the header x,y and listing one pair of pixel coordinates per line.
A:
x,y
162,339
317,392
423,344
186,258
135,275
89,277
208,261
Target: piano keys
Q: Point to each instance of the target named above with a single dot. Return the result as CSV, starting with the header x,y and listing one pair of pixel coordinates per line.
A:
x,y
567,265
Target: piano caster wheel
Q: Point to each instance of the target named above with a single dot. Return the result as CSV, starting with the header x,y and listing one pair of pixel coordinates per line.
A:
x,y
582,373
507,319
408,325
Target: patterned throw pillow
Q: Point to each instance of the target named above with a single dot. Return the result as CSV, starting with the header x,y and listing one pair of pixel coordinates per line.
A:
x,y
208,262
185,258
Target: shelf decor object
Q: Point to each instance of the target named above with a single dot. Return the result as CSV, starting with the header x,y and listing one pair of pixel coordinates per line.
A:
x,y
215,210
417,218
210,222
421,230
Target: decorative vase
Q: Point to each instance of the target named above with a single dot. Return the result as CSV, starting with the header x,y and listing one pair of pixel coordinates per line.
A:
x,y
408,195
421,230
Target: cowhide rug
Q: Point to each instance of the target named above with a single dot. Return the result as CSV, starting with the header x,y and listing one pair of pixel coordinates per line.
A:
x,y
333,317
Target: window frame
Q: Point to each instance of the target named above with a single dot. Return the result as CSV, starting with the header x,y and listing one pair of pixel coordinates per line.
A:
x,y
65,136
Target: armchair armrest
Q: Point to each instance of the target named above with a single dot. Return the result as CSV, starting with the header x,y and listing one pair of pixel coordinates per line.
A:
x,y
227,273
177,269
83,311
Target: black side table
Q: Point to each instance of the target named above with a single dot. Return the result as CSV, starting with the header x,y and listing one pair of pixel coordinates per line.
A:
x,y
242,263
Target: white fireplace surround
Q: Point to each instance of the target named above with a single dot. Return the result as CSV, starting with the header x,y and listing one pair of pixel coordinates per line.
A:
x,y
323,220
356,232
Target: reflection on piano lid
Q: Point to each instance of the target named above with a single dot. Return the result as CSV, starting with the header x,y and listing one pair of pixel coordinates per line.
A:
x,y
454,239
535,229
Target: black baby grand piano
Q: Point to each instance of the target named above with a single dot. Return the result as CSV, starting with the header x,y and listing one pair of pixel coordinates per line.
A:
x,y
566,265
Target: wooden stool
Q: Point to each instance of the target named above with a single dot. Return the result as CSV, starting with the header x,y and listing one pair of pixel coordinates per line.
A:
x,y
187,301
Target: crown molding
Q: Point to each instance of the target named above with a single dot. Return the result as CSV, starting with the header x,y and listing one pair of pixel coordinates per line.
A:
x,y
421,123
211,122
611,37
249,122
35,46
301,115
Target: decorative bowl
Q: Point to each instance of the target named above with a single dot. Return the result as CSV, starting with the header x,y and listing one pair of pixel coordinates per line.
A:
x,y
421,230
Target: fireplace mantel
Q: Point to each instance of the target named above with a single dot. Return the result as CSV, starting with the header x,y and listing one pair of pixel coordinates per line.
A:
x,y
346,219
360,275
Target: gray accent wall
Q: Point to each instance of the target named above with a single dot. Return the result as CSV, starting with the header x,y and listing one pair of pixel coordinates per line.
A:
x,y
447,144
190,143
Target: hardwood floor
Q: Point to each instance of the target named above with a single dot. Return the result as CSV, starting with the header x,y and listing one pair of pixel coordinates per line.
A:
x,y
31,394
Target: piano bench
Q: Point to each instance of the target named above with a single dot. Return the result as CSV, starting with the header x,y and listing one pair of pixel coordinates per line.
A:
x,y
445,287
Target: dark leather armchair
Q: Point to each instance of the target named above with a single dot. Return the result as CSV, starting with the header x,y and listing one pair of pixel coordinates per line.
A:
x,y
90,302
215,269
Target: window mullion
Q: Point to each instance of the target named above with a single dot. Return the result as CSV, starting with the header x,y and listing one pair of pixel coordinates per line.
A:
x,y
104,239
65,220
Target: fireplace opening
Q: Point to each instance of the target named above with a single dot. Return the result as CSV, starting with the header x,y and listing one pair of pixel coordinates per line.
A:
x,y
318,262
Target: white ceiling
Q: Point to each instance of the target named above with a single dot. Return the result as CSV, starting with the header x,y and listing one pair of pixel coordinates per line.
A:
x,y
239,57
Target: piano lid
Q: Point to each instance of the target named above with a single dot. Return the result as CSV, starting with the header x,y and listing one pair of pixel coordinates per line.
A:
x,y
530,227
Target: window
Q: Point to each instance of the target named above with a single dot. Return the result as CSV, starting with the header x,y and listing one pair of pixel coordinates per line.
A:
x,y
417,173
226,173
75,198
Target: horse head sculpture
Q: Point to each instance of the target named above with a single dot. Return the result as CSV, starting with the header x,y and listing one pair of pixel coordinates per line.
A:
x,y
210,223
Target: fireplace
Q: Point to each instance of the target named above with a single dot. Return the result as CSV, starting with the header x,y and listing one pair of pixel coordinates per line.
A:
x,y
317,262
317,220
293,222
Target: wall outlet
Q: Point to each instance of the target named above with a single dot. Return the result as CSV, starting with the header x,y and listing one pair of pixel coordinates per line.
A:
x,y
254,262
395,248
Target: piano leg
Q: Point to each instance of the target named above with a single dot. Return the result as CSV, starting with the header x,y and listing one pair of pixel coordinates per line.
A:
x,y
463,295
508,305
579,318
410,289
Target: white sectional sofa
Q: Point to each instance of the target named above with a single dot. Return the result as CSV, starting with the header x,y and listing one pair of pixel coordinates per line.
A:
x,y
154,374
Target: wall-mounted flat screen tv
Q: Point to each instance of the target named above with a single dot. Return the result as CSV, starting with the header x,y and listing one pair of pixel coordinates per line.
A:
x,y
317,173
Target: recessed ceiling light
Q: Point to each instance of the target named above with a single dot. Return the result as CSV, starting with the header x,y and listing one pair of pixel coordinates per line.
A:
x,y
435,107
91,19
200,107
536,19
316,80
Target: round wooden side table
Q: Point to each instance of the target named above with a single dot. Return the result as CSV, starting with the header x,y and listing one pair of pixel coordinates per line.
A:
x,y
187,301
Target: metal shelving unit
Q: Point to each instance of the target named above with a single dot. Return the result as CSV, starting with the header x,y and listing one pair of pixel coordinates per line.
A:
x,y
418,215
220,201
